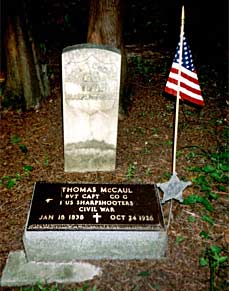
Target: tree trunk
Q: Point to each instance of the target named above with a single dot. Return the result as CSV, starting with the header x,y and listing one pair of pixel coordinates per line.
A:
x,y
105,27
2,51
26,79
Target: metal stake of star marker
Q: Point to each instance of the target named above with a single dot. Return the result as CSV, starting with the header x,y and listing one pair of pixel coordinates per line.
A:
x,y
174,187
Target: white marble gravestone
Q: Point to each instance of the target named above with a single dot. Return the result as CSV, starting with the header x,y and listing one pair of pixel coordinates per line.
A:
x,y
91,82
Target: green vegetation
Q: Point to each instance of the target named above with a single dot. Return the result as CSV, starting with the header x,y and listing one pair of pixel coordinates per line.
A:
x,y
148,172
130,171
17,140
8,180
180,239
211,179
143,68
144,274
213,258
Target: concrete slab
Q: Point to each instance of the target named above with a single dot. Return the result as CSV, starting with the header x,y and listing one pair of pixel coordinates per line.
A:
x,y
19,272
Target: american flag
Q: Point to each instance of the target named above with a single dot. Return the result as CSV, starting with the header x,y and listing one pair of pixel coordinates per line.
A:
x,y
189,85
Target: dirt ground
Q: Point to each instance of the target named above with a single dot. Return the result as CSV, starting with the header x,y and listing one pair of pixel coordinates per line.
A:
x,y
145,138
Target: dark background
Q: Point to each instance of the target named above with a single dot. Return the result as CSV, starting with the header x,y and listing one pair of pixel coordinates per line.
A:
x,y
156,22
56,24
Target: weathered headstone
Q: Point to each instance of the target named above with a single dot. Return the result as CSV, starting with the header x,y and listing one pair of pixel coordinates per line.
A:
x,y
68,222
91,81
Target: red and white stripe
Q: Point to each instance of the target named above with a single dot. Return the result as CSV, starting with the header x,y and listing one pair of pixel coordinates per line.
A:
x,y
189,85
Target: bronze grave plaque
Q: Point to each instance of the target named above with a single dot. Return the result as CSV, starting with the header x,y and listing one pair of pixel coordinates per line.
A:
x,y
72,206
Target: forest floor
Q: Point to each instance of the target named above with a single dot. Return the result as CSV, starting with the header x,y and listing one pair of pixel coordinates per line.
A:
x,y
32,150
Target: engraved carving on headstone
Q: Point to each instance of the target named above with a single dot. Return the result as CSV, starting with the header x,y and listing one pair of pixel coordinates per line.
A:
x,y
91,80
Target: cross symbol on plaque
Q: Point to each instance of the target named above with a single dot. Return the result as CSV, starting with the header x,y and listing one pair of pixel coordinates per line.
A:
x,y
97,216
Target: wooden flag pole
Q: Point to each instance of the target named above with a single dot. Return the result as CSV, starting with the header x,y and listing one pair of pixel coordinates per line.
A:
x,y
178,91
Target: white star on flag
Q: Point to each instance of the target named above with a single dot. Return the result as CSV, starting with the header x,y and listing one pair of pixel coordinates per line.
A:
x,y
189,88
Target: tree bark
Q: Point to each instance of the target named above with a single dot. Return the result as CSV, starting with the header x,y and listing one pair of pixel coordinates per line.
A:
x,y
2,51
105,27
26,79
105,23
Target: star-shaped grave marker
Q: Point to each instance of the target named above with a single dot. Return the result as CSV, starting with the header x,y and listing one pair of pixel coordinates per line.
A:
x,y
173,188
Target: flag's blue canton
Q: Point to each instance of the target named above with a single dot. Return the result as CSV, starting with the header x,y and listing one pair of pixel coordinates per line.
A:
x,y
187,61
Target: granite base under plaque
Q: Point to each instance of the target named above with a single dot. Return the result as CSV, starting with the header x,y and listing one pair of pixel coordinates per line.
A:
x,y
71,222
